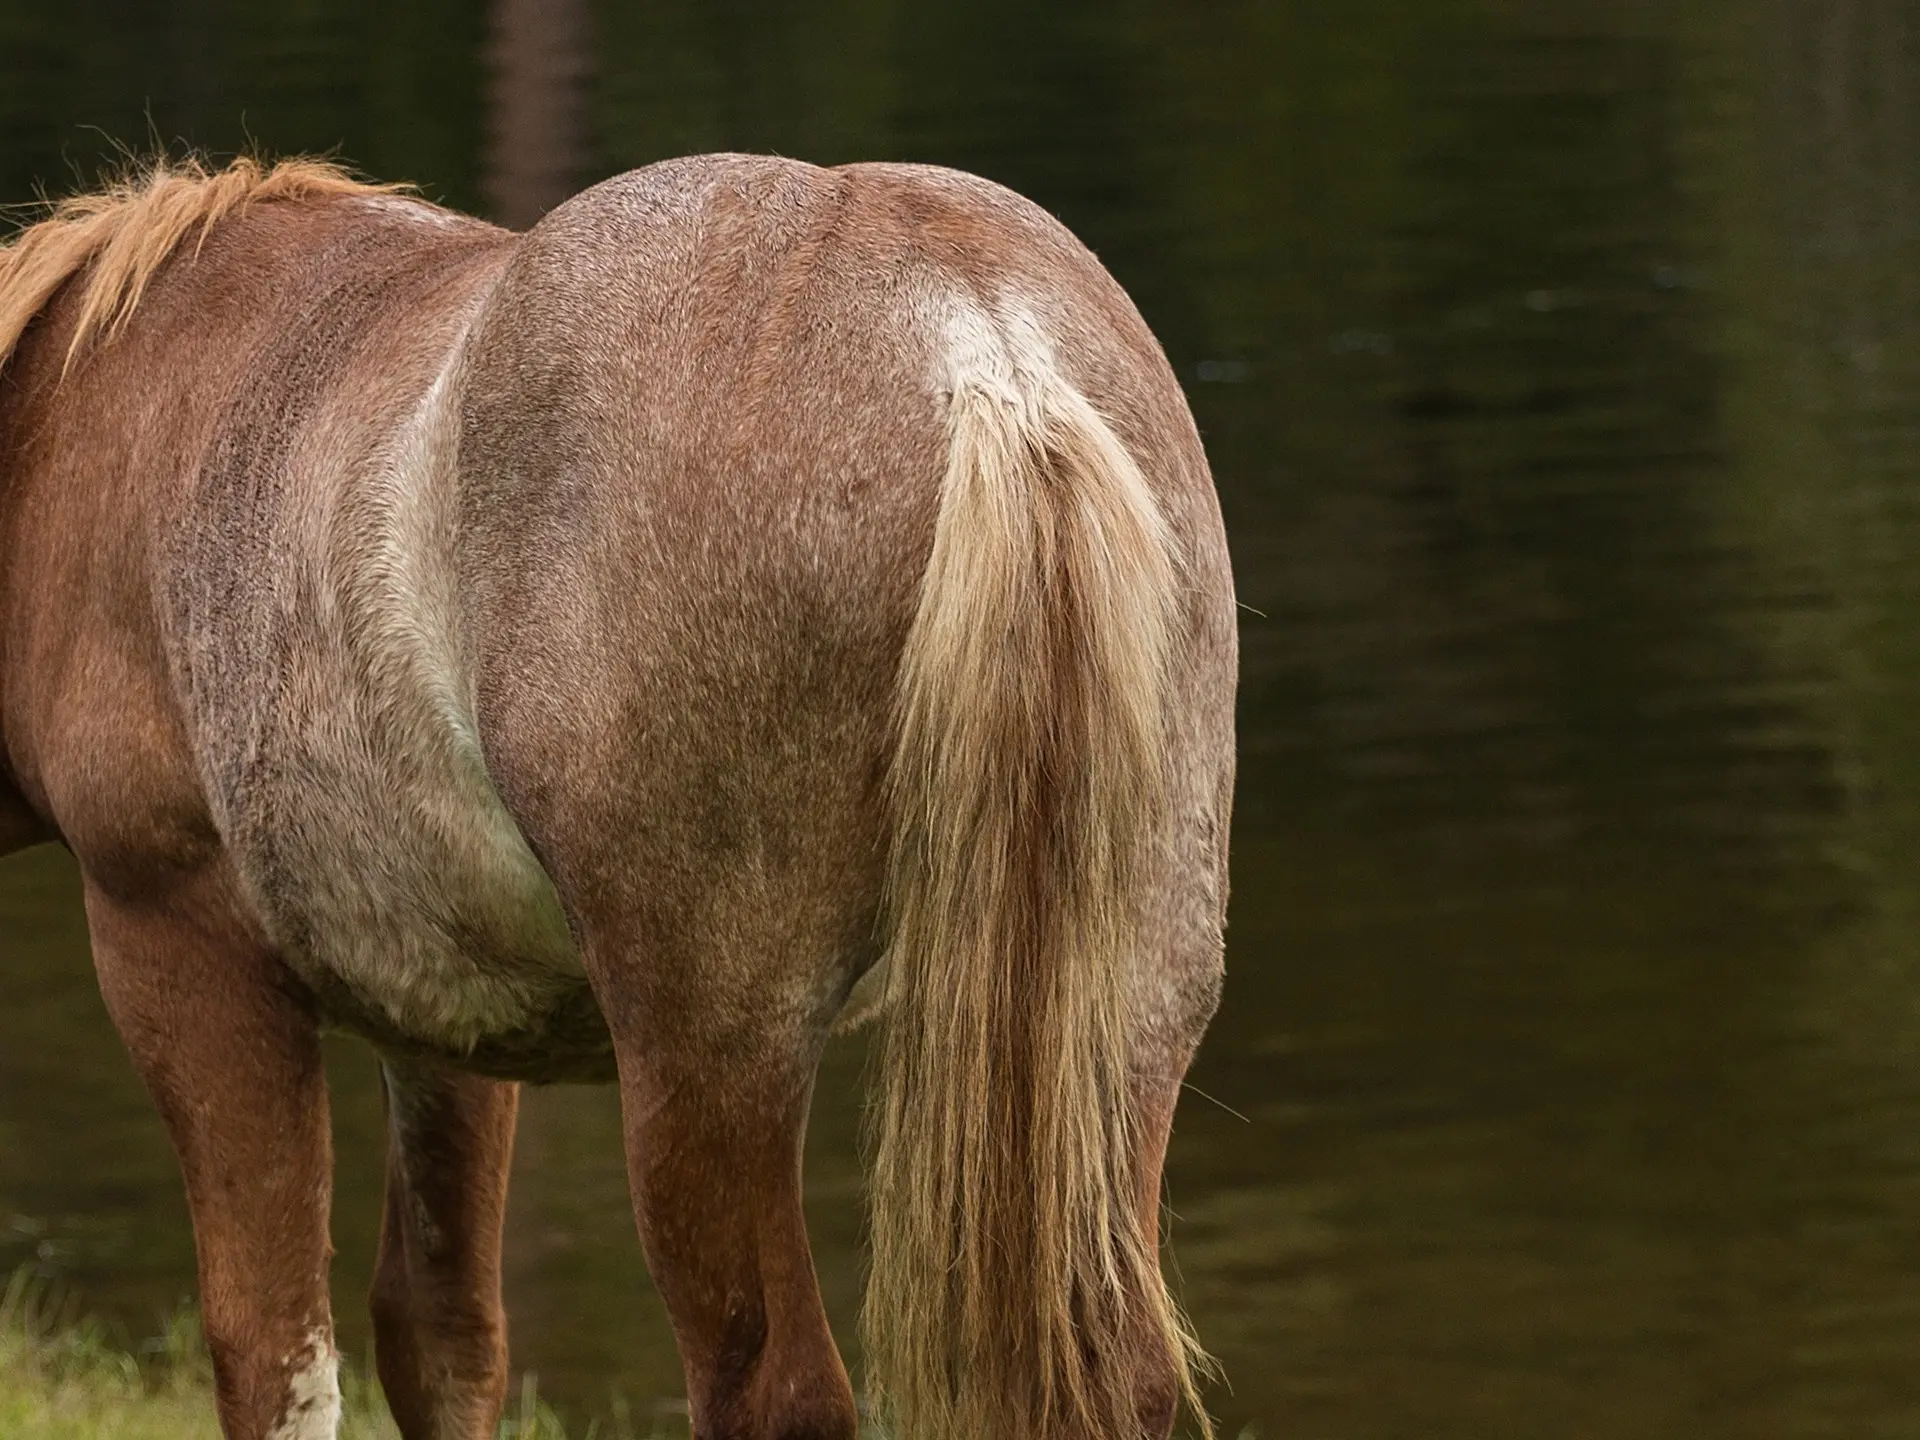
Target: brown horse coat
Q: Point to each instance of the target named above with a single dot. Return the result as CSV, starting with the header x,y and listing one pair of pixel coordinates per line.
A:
x,y
583,654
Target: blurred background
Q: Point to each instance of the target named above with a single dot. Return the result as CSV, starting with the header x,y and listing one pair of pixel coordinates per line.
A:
x,y
1558,366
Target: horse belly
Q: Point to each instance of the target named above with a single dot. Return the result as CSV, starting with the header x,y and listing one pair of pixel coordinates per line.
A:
x,y
425,924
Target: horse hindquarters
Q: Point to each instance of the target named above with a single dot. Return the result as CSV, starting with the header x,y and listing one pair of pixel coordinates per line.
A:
x,y
703,433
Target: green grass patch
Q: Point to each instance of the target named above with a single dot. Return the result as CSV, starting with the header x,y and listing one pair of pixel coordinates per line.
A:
x,y
64,1377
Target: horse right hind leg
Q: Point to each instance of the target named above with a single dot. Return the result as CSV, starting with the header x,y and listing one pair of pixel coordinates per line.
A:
x,y
232,1060
1169,1018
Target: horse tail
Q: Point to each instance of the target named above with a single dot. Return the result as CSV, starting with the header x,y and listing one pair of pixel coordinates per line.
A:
x,y
1016,1291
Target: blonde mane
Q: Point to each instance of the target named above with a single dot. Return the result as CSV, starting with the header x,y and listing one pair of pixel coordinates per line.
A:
x,y
122,234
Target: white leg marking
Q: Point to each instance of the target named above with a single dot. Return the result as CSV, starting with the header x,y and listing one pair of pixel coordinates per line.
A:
x,y
313,1393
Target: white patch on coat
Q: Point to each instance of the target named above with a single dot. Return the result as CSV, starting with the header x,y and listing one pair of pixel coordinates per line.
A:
x,y
411,207
313,1393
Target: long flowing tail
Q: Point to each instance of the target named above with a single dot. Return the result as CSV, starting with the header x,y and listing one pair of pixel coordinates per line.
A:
x,y
1016,1290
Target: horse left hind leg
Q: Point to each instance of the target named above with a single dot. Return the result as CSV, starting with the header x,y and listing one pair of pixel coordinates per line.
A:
x,y
231,1057
440,1332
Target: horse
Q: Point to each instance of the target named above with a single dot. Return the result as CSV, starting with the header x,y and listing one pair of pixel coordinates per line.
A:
x,y
755,599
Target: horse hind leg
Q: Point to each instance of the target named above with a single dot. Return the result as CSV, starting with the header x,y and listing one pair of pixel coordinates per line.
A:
x,y
714,1098
232,1060
440,1333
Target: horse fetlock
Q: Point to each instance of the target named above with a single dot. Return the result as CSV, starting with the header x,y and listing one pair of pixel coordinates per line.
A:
x,y
1157,1391
443,1368
267,1390
791,1398
312,1407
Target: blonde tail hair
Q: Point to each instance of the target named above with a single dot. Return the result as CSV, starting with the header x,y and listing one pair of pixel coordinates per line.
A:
x,y
1015,1278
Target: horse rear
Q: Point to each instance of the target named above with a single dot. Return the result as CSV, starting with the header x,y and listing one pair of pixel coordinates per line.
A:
x,y
806,583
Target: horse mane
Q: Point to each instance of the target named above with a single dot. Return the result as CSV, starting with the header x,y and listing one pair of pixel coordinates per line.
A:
x,y
123,232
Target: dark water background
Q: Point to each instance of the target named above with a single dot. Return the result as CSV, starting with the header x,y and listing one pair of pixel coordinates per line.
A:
x,y
1558,364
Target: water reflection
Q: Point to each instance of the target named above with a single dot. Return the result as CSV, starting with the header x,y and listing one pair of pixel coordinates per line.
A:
x,y
536,134
1559,369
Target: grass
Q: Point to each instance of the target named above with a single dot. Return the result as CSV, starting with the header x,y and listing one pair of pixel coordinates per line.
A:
x,y
63,1377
